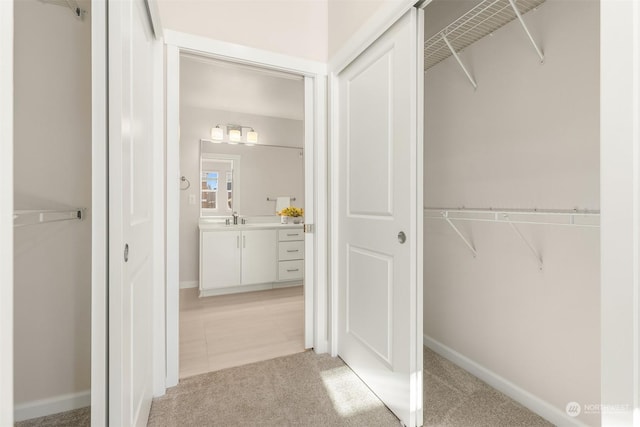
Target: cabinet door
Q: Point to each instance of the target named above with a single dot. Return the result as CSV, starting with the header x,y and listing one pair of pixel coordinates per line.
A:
x,y
259,256
219,259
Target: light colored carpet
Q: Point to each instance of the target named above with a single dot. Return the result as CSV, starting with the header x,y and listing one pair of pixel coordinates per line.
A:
x,y
76,418
453,397
306,389
316,390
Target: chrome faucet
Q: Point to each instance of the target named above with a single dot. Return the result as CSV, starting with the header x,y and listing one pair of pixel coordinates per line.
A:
x,y
235,218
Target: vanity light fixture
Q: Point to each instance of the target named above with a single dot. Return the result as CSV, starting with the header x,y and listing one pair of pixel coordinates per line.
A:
x,y
234,134
217,134
252,137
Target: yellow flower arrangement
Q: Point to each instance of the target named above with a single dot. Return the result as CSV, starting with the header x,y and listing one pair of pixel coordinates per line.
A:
x,y
291,211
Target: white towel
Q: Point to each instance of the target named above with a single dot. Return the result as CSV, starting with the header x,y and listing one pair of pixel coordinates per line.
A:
x,y
282,202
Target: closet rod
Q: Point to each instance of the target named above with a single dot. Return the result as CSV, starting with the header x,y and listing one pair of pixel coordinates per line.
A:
x,y
42,216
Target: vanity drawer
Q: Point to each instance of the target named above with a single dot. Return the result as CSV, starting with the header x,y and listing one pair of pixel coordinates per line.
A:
x,y
290,234
290,250
291,270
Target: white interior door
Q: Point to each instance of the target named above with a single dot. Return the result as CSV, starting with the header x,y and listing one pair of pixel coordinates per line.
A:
x,y
380,304
131,131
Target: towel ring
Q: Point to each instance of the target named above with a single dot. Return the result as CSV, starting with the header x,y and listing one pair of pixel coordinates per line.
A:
x,y
184,179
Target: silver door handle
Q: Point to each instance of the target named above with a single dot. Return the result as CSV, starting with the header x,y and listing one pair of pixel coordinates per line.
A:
x,y
126,252
402,237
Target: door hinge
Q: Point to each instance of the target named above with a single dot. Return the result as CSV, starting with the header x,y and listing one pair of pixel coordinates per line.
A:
x,y
308,228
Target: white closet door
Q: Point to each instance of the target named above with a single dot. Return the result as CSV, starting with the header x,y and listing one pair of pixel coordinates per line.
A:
x,y
379,309
131,130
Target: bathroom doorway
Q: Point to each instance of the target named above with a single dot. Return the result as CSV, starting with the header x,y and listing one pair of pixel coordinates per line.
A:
x,y
241,229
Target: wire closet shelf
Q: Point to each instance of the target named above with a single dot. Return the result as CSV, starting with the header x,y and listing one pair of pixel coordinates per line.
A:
x,y
513,217
482,20
567,217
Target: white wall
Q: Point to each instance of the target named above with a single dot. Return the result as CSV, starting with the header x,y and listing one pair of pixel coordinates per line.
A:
x,y
264,171
52,170
528,137
291,27
345,19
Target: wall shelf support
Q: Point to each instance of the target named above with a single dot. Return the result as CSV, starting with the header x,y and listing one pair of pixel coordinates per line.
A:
x,y
526,30
455,55
459,233
533,250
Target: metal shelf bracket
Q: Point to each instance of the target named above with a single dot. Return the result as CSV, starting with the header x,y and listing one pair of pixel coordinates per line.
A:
x,y
468,244
455,55
533,250
526,30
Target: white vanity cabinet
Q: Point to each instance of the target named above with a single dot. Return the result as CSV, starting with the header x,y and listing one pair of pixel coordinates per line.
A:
x,y
219,259
244,258
290,255
258,256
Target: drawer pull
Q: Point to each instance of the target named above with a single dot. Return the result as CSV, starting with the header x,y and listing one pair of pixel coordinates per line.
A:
x,y
292,270
293,234
293,250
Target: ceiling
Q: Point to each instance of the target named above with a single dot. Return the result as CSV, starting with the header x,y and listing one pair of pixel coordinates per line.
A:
x,y
219,85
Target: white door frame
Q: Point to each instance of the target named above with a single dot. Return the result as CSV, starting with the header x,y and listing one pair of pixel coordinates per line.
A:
x,y
620,211
619,192
6,213
99,216
315,161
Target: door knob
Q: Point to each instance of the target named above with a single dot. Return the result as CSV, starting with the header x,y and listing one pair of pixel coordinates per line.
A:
x,y
402,237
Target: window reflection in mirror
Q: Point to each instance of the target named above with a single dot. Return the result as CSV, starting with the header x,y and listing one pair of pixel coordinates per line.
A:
x,y
218,188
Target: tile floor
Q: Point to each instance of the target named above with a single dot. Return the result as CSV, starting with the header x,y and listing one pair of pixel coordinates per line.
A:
x,y
231,330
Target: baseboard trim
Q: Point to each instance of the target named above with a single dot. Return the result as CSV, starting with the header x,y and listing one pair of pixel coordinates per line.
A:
x,y
520,395
189,284
287,284
51,405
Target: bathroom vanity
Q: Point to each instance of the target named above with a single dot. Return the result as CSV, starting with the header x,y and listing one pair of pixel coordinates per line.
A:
x,y
249,257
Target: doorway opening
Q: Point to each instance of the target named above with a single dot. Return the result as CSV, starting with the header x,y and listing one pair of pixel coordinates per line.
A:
x,y
241,228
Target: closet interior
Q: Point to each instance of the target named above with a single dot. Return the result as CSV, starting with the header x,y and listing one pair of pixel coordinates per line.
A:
x,y
511,193
52,219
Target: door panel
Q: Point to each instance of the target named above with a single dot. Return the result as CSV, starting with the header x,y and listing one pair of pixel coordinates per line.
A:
x,y
370,165
379,312
220,259
131,130
259,256
370,279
